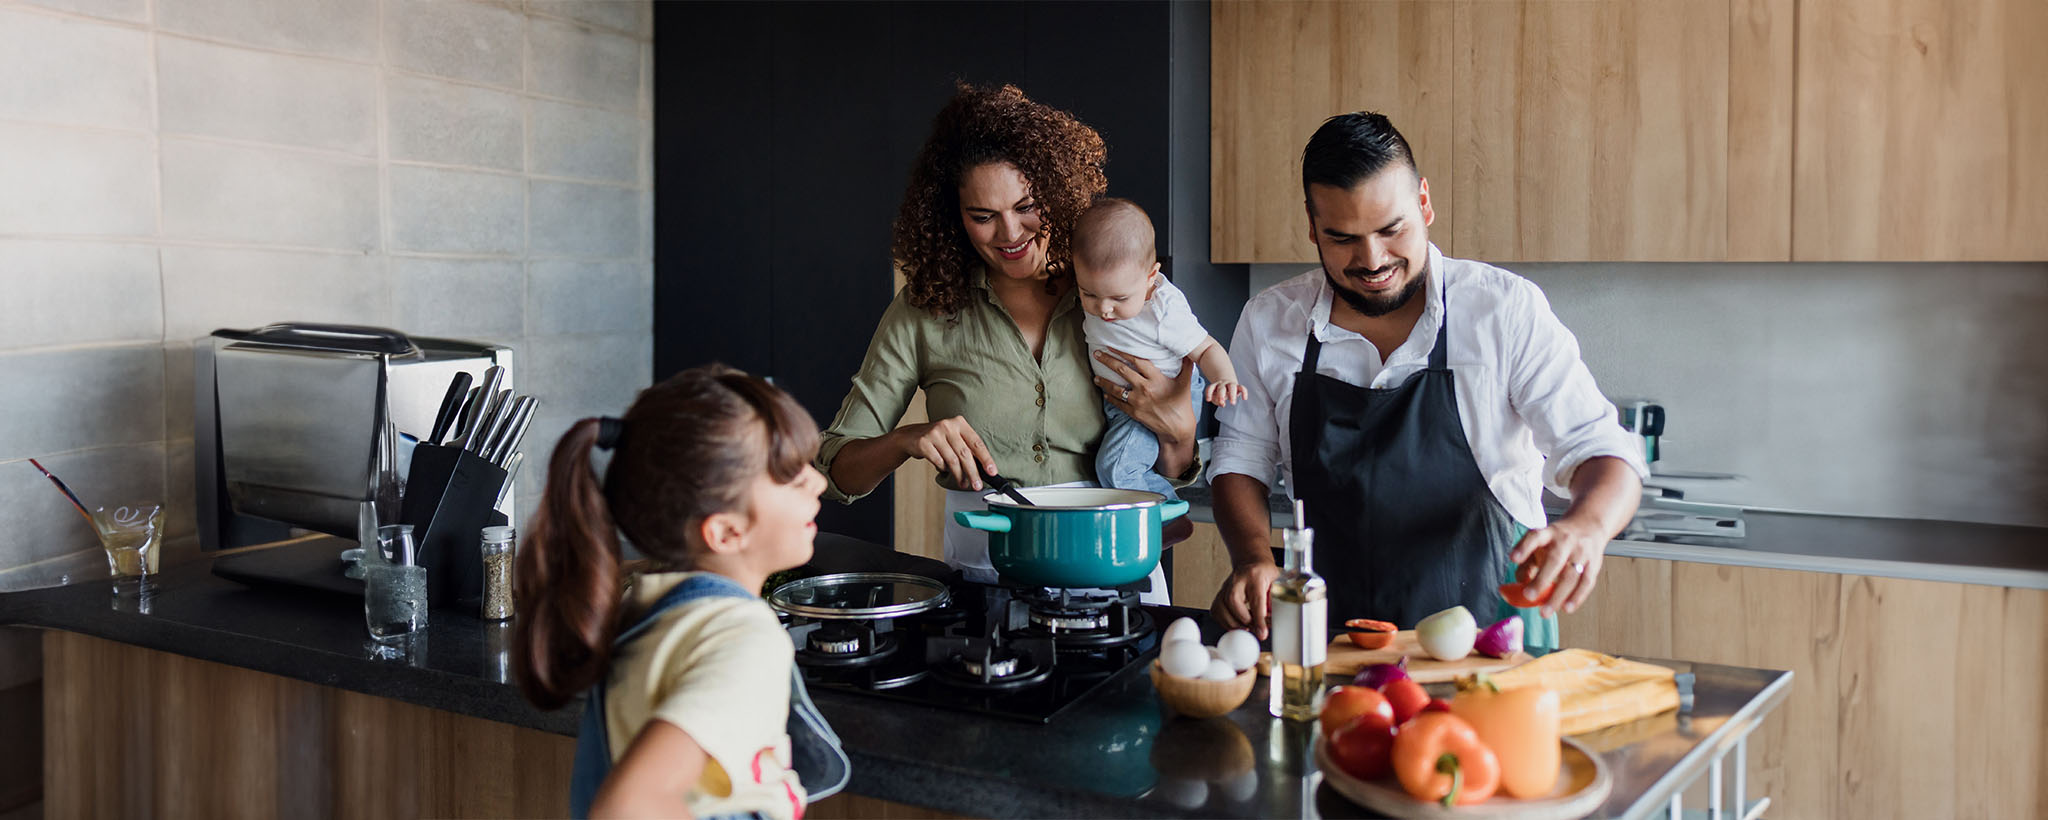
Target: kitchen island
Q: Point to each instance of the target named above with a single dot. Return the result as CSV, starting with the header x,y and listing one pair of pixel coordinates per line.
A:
x,y
214,698
1915,645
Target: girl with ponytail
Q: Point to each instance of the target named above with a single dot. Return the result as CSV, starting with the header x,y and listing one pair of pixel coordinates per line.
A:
x,y
691,680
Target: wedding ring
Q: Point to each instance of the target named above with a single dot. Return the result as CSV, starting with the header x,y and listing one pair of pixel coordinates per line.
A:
x,y
1127,394
1579,568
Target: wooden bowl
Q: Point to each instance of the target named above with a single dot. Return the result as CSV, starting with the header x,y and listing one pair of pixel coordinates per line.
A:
x,y
1203,698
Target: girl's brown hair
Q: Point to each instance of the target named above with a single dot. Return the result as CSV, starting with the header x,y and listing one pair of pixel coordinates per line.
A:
x,y
1059,156
686,449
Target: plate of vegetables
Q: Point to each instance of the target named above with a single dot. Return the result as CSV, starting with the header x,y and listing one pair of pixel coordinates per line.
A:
x,y
1485,753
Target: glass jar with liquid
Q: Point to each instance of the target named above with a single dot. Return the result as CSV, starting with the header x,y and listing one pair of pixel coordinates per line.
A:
x,y
1300,607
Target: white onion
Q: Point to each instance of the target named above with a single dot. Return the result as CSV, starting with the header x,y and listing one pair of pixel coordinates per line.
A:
x,y
1448,635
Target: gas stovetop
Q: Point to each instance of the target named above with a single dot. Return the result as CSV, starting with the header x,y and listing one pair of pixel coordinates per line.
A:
x,y
1018,652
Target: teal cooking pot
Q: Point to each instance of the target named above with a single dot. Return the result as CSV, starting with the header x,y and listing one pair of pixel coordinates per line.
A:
x,y
1074,536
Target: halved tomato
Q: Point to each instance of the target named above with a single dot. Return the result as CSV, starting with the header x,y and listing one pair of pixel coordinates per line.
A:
x,y
1377,634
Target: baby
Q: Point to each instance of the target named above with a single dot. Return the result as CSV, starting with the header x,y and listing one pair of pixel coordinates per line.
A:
x,y
1132,308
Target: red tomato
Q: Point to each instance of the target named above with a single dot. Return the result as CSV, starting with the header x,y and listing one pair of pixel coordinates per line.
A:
x,y
1518,596
1407,698
1437,705
1348,702
1364,748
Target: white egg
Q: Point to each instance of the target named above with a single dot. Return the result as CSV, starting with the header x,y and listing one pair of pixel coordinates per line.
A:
x,y
1239,648
1219,669
1186,793
1183,659
1217,655
1241,787
1182,629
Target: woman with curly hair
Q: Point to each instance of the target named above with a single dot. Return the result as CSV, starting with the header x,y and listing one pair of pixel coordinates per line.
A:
x,y
988,324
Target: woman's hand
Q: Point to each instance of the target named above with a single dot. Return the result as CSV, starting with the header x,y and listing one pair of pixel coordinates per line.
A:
x,y
953,448
1156,401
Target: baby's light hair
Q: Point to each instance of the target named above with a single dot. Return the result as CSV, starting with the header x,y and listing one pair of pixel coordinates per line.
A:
x,y
1114,234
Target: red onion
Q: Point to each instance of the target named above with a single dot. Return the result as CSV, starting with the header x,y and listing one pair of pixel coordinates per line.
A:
x,y
1502,639
1380,674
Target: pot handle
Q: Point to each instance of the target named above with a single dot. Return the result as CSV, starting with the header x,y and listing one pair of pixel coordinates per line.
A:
x,y
984,521
1172,510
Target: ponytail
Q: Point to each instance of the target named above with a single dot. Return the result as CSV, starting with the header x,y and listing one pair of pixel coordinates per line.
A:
x,y
566,588
686,449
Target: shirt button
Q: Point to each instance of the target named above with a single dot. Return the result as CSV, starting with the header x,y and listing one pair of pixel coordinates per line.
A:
x,y
1041,388
1040,458
1041,401
1039,447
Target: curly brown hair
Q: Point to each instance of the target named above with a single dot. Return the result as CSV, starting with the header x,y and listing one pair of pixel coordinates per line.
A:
x,y
1060,157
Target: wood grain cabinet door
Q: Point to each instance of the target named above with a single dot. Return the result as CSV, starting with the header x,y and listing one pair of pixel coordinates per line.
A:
x,y
1278,69
1922,130
1550,130
1608,130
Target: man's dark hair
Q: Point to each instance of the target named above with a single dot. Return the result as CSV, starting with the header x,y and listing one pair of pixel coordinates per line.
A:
x,y
1350,148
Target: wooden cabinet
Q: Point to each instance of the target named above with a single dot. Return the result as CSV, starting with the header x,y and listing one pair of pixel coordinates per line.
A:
x,y
1647,130
1277,70
1922,130
1909,698
1549,129
1603,131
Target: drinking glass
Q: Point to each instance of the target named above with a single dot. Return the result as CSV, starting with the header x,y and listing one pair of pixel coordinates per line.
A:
x,y
130,533
394,586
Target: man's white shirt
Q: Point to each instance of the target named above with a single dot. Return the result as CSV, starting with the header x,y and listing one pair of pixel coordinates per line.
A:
x,y
1523,393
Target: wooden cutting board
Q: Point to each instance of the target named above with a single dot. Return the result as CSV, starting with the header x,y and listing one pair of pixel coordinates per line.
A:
x,y
1345,660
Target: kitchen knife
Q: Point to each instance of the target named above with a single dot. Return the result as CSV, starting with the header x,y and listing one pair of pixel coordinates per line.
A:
x,y
507,417
451,407
494,415
493,378
467,418
511,472
510,449
501,414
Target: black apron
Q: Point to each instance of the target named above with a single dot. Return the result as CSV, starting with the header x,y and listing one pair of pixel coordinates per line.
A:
x,y
1405,525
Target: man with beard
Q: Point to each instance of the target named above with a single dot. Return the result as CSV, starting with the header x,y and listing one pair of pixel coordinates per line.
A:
x,y
1418,404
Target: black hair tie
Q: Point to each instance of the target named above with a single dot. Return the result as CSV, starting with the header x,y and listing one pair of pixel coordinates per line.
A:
x,y
608,432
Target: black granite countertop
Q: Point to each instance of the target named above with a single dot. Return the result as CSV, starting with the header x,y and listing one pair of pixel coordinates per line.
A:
x,y
1953,551
1116,754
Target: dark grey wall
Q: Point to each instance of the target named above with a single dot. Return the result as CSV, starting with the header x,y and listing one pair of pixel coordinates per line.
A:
x,y
1217,292
784,134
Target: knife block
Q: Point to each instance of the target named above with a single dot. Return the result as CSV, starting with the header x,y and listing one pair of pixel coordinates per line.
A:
x,y
450,496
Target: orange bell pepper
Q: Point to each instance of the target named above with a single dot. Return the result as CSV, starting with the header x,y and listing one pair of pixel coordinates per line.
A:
x,y
1520,726
1438,756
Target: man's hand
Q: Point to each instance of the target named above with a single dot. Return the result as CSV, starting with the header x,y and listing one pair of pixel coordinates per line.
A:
x,y
1241,603
1568,554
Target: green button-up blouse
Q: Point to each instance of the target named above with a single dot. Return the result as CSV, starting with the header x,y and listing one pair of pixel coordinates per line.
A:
x,y
1041,418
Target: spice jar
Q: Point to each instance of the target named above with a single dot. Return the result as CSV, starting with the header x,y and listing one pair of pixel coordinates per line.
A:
x,y
497,552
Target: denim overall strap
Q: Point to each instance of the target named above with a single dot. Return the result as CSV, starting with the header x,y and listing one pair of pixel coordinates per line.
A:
x,y
813,745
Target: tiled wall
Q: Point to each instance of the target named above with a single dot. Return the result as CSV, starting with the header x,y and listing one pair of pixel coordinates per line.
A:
x,y
168,167
1894,390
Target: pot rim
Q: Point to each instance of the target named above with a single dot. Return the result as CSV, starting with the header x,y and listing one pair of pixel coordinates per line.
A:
x,y
996,498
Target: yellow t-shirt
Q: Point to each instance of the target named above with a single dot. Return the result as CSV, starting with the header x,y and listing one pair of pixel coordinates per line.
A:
x,y
717,668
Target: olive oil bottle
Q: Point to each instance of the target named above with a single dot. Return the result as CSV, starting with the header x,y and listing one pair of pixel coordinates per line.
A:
x,y
1300,608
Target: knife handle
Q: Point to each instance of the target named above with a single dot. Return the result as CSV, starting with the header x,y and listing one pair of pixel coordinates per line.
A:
x,y
451,407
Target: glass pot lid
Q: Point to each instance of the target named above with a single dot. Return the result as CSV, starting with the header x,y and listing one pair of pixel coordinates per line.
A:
x,y
851,595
